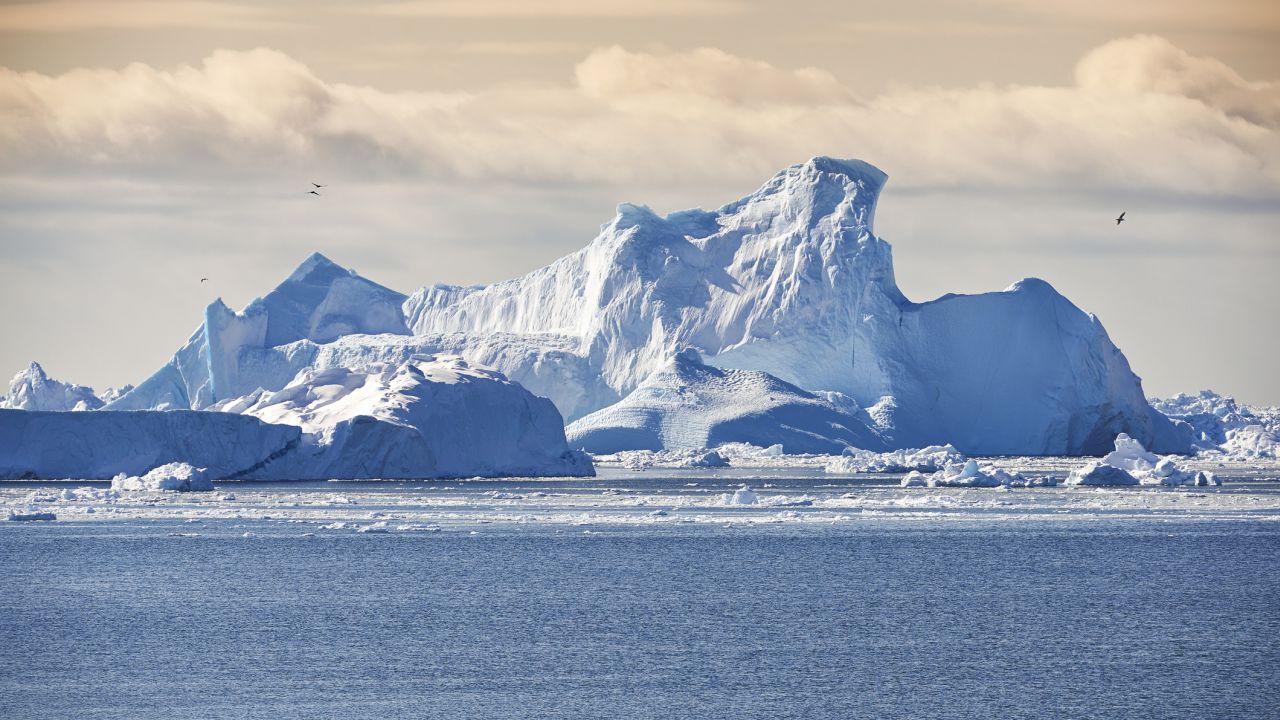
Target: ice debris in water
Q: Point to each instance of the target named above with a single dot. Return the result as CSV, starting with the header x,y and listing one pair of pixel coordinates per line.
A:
x,y
709,459
742,496
174,477
1130,464
15,516
928,459
970,474
1097,473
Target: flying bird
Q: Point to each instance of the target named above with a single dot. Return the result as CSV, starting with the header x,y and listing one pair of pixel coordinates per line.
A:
x,y
318,186
203,279
1120,219
313,192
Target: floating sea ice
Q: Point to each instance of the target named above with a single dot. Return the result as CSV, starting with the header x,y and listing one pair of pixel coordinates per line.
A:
x,y
173,477
915,478
1130,455
741,496
928,459
968,475
709,459
1096,474
31,516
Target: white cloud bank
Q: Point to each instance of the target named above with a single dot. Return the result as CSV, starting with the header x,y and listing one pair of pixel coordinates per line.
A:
x,y
1143,116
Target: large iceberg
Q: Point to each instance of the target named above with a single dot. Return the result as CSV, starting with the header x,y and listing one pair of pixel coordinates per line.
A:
x,y
33,389
688,405
790,281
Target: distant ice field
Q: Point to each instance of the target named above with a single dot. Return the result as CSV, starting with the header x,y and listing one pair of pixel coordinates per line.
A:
x,y
781,494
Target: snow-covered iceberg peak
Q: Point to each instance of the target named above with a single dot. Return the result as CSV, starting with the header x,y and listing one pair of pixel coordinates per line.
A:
x,y
320,301
33,389
746,284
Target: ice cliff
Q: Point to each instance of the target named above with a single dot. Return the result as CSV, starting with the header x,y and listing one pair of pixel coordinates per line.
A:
x,y
101,445
790,281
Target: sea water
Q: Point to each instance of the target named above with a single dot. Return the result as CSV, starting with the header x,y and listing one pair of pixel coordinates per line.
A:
x,y
1135,617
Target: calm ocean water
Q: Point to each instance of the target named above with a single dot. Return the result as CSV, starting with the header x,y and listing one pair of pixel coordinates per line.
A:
x,y
1123,619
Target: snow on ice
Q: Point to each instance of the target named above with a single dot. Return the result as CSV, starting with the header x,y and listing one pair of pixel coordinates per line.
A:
x,y
33,389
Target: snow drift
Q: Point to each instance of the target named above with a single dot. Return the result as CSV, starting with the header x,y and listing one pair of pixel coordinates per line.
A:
x,y
688,405
790,281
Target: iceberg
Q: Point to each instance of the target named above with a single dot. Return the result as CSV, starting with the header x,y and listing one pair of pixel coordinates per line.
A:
x,y
171,477
789,282
101,445
33,389
742,496
689,405
1131,464
1221,425
1100,474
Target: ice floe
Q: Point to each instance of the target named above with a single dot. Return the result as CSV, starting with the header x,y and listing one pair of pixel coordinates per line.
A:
x,y
173,477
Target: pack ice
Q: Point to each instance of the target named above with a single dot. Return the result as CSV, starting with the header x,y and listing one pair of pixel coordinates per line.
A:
x,y
789,285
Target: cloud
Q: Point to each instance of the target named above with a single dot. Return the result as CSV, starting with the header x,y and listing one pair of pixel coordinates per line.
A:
x,y
1189,14
67,15
1143,116
485,9
705,75
1147,64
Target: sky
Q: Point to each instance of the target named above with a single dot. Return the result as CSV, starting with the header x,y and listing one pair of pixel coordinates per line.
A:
x,y
145,145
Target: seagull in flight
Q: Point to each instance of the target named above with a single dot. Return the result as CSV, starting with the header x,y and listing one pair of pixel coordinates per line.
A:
x,y
318,186
1120,219
313,192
